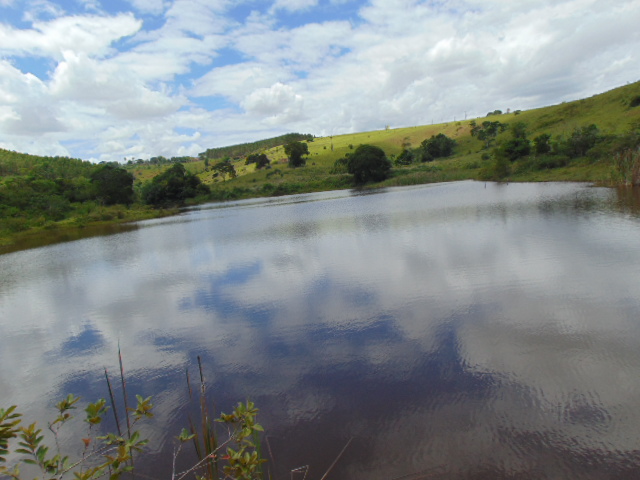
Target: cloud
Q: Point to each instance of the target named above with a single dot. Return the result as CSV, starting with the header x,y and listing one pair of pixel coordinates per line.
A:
x,y
279,103
355,66
92,35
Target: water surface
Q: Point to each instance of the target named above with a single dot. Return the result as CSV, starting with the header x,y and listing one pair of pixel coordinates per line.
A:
x,y
451,331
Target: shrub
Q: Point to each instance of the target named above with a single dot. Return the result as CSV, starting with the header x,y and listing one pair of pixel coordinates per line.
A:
x,y
368,163
173,187
438,146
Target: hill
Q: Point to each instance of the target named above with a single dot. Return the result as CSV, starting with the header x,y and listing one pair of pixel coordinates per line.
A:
x,y
244,149
615,114
594,139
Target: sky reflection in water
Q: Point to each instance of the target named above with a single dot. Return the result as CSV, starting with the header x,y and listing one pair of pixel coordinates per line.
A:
x,y
458,330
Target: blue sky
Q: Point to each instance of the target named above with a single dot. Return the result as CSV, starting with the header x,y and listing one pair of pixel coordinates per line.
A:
x,y
121,79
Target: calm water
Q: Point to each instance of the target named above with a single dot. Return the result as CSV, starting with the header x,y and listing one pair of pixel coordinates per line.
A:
x,y
456,331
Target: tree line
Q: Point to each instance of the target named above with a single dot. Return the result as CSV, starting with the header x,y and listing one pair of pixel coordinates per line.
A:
x,y
35,190
244,149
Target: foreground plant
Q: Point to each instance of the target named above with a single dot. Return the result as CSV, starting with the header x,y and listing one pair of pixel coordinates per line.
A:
x,y
109,454
112,454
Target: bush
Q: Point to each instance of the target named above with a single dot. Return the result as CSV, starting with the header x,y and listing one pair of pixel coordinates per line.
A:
x,y
515,148
406,157
173,187
368,164
547,162
341,165
113,185
296,151
261,160
438,146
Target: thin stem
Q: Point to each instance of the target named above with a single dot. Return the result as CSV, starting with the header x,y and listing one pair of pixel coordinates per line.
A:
x,y
336,460
113,402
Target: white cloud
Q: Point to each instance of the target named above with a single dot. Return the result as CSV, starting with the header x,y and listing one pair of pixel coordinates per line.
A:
x,y
93,35
42,9
236,81
279,103
397,62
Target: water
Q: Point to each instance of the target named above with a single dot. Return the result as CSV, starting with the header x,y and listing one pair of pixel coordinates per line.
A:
x,y
454,331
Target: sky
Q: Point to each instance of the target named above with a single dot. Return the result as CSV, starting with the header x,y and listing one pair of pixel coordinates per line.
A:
x,y
112,80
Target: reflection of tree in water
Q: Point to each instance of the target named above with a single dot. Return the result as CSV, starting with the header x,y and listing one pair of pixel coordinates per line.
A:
x,y
628,200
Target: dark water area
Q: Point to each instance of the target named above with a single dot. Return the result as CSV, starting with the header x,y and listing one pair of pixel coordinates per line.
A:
x,y
452,331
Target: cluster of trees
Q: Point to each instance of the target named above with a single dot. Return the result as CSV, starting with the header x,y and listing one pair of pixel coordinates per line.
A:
x,y
47,188
173,187
159,160
487,131
260,159
245,149
35,190
367,163
547,151
438,146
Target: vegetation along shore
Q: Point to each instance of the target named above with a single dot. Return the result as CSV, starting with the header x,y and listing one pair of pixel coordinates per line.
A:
x,y
593,140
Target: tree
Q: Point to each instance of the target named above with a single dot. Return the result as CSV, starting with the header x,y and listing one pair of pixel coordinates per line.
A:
x,y
518,146
542,144
113,185
295,152
515,148
173,187
438,146
225,168
582,140
519,130
488,131
406,157
260,159
368,163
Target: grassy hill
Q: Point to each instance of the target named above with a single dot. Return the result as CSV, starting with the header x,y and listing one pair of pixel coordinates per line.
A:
x,y
46,193
612,112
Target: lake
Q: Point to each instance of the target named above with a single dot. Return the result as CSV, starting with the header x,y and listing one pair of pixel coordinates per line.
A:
x,y
449,331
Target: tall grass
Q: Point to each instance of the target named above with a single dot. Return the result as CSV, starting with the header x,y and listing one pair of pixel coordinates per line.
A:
x,y
627,167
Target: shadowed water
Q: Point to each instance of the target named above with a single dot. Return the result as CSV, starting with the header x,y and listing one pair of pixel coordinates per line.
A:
x,y
451,331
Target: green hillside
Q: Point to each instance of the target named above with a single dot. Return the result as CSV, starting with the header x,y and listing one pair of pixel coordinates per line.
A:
x,y
616,115
594,139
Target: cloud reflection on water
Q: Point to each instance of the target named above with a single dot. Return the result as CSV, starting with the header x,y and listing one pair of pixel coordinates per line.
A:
x,y
474,331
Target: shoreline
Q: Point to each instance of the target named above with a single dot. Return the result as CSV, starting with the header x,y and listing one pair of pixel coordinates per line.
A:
x,y
76,228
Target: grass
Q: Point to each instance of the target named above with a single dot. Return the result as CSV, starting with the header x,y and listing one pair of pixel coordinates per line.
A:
x,y
611,112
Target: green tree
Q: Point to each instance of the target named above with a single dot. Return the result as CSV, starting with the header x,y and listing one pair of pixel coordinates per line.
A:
x,y
225,169
488,131
260,159
518,146
438,146
582,140
406,157
515,148
542,144
173,187
368,164
113,185
519,130
296,151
